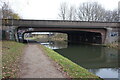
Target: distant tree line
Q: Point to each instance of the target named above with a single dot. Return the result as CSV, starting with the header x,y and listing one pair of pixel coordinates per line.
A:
x,y
88,11
7,13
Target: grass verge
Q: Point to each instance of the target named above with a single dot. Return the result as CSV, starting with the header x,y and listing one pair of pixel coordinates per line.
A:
x,y
73,70
11,53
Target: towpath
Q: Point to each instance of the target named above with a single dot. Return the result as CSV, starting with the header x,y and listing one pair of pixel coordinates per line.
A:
x,y
35,64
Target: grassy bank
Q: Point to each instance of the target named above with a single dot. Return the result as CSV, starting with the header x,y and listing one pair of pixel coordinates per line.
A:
x,y
73,70
11,53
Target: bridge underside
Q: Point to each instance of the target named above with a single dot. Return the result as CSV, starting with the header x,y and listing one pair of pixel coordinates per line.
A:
x,y
85,37
76,36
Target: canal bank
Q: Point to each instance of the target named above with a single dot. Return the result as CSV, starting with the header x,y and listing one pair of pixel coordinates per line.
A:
x,y
71,68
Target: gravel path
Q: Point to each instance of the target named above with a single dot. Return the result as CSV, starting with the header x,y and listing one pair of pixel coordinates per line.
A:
x,y
35,64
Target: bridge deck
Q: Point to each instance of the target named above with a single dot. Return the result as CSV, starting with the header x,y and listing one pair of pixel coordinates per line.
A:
x,y
58,23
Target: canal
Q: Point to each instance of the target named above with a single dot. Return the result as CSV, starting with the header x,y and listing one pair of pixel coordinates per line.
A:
x,y
101,61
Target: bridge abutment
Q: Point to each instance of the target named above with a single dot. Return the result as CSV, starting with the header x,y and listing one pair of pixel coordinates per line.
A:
x,y
111,36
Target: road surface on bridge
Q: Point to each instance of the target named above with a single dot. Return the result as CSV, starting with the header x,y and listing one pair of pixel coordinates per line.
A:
x,y
35,64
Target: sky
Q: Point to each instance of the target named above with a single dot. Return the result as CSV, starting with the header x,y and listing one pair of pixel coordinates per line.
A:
x,y
49,9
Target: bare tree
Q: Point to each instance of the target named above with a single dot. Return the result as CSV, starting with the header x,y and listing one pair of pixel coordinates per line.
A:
x,y
66,12
112,16
88,12
1,9
63,11
91,12
72,13
7,12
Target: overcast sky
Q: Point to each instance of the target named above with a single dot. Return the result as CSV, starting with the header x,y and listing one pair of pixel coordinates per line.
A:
x,y
49,9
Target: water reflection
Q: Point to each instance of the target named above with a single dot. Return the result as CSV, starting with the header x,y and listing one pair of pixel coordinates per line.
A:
x,y
91,56
55,44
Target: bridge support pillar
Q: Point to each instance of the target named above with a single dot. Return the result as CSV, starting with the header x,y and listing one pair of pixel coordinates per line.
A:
x,y
111,36
16,35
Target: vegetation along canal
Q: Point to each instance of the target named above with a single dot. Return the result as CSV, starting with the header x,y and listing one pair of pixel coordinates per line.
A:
x,y
101,61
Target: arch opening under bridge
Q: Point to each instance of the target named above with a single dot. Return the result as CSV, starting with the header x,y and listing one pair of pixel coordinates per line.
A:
x,y
75,36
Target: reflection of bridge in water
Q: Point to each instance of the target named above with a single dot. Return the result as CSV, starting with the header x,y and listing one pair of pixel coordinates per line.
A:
x,y
91,56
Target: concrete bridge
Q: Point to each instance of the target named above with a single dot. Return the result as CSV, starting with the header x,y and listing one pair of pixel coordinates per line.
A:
x,y
78,31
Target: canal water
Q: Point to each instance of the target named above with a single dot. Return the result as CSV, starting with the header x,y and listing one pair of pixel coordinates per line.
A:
x,y
101,61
